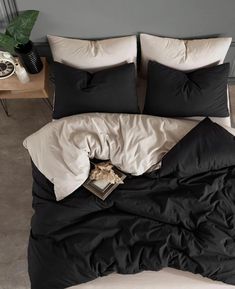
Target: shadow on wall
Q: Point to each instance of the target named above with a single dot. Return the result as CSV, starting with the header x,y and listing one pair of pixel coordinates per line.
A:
x,y
8,10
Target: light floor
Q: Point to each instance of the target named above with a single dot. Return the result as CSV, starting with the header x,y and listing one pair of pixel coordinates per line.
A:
x,y
26,116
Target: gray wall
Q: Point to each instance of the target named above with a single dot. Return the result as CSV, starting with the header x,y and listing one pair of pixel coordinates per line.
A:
x,y
104,18
101,18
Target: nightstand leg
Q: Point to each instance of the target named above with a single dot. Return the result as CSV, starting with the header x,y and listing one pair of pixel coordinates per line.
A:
x,y
48,103
4,105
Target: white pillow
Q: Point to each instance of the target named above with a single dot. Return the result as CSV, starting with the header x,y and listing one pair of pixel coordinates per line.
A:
x,y
183,55
92,55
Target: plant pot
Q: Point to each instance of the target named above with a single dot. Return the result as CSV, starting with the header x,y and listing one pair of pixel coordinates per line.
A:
x,y
29,57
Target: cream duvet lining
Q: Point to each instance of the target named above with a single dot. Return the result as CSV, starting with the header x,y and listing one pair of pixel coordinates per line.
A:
x,y
134,143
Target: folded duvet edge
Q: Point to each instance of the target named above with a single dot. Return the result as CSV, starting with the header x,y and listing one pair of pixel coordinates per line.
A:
x,y
68,170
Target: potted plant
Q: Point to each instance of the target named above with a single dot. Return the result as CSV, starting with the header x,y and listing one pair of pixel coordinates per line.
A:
x,y
16,40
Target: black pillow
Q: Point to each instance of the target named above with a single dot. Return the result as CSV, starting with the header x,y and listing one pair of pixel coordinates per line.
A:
x,y
111,90
174,93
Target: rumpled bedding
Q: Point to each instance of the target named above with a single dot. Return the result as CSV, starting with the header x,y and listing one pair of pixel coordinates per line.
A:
x,y
62,149
181,215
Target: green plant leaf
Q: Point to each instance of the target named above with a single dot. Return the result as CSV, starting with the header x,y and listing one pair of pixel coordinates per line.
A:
x,y
7,43
21,26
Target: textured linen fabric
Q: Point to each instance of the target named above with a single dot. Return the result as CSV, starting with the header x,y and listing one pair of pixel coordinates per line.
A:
x,y
93,55
186,55
174,93
133,143
167,278
179,217
110,90
141,92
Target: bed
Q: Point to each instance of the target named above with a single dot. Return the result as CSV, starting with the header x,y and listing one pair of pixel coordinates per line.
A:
x,y
174,214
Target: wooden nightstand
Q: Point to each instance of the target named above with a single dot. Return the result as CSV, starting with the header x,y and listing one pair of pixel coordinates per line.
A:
x,y
232,99
38,87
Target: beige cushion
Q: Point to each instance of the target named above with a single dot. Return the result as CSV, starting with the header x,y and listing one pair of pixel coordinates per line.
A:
x,y
93,55
183,55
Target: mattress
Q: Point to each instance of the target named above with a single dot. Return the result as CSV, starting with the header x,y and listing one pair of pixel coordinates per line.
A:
x,y
165,279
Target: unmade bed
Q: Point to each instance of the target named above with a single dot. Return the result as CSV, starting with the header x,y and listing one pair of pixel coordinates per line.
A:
x,y
174,216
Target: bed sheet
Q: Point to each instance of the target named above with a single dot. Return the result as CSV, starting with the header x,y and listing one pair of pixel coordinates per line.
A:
x,y
165,279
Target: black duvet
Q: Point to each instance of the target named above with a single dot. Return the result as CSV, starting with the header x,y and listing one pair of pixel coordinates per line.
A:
x,y
181,216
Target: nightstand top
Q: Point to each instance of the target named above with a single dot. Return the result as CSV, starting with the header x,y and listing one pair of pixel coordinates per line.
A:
x,y
37,81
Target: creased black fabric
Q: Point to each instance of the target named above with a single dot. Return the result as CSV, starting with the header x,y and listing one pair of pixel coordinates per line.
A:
x,y
175,93
110,90
168,218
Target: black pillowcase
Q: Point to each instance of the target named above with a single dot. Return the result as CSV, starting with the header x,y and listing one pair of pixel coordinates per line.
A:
x,y
174,93
111,90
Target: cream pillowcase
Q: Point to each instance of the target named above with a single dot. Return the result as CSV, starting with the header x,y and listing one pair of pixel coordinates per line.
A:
x,y
93,55
183,55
